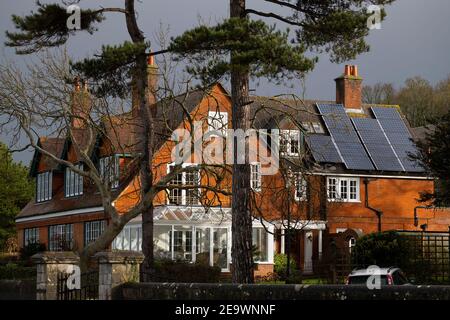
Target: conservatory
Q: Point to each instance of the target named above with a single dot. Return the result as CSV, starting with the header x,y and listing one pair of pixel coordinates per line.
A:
x,y
196,234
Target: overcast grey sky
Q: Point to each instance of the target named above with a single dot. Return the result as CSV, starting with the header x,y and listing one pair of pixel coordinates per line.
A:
x,y
414,40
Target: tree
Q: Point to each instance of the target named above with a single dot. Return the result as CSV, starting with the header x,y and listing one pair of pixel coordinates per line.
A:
x,y
16,190
42,100
380,93
337,27
434,151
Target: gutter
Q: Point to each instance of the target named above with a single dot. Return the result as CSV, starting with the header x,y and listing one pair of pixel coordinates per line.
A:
x,y
378,212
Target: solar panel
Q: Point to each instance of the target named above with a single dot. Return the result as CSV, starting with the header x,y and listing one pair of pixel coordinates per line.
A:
x,y
377,145
398,135
323,148
345,137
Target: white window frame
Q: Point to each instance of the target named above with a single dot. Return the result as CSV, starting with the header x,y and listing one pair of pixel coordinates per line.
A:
x,y
73,182
343,186
288,136
255,177
113,171
183,183
44,186
300,179
217,122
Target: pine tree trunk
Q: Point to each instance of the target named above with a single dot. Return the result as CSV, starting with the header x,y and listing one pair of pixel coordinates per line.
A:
x,y
145,140
242,253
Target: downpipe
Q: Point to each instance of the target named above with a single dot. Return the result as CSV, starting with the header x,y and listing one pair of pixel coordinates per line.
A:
x,y
378,212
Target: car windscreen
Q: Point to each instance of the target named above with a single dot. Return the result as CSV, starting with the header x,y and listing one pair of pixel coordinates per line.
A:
x,y
363,280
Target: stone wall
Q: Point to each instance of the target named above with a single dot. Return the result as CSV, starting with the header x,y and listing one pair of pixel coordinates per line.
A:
x,y
167,291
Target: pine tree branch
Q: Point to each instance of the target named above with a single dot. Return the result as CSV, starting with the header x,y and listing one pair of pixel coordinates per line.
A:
x,y
275,16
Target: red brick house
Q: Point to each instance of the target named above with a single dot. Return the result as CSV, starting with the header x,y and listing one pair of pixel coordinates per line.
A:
x,y
355,174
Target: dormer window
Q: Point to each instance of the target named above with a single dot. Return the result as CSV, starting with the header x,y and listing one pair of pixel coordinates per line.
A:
x,y
290,142
218,121
109,170
44,186
73,182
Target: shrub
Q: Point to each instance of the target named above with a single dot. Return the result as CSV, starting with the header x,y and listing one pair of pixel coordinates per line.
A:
x,y
13,271
181,271
383,249
280,265
30,250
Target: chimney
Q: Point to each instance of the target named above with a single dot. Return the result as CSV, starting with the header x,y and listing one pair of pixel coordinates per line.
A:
x,y
152,86
81,104
348,88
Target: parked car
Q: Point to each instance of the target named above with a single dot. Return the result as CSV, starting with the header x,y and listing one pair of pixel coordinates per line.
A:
x,y
389,276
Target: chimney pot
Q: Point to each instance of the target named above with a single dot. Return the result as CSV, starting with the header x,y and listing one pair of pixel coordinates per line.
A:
x,y
347,70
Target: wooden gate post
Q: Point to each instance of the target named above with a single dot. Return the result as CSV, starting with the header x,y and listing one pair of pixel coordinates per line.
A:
x,y
49,265
116,268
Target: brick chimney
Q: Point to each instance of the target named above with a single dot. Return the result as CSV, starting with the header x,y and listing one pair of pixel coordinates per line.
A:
x,y
348,88
81,104
152,86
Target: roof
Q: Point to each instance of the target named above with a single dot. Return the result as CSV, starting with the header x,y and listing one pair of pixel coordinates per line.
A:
x,y
54,146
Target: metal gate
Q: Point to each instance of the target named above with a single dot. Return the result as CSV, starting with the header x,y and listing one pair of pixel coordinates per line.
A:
x,y
88,288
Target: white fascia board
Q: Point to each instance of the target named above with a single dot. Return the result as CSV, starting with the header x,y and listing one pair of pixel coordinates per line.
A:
x,y
331,174
59,214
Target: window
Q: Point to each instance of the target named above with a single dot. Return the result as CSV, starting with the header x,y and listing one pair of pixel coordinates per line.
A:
x,y
312,127
31,236
93,230
73,182
60,237
188,180
255,176
290,142
44,186
109,170
129,239
218,121
182,244
301,187
260,243
343,189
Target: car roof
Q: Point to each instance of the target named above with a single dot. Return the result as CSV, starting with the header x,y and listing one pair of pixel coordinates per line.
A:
x,y
365,271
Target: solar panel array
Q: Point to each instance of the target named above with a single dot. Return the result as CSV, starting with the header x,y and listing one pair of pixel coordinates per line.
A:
x,y
377,145
345,137
398,135
323,148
